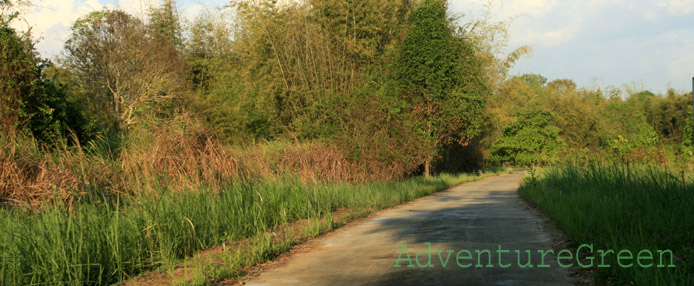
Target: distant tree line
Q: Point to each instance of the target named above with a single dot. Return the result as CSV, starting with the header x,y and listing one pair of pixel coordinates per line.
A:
x,y
540,122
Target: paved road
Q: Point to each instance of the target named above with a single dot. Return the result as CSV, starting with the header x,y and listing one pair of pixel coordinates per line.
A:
x,y
475,216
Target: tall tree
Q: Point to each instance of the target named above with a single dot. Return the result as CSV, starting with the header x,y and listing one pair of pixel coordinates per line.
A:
x,y
491,40
442,78
365,29
121,62
166,23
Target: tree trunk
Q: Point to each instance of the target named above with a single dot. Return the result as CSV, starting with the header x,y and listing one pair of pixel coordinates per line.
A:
x,y
427,162
427,167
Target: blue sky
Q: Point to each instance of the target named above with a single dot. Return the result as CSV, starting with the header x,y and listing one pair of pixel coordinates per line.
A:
x,y
597,43
642,44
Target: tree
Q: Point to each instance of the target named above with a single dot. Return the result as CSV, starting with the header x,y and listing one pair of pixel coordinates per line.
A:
x,y
19,74
491,40
122,62
295,57
578,119
627,131
29,99
531,140
562,86
666,114
166,23
441,78
363,30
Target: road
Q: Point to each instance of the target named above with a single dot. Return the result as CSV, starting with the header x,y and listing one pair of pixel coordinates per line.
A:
x,y
476,216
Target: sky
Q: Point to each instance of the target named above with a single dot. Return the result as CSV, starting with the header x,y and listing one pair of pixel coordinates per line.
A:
x,y
642,44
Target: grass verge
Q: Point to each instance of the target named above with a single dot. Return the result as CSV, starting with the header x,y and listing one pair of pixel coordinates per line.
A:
x,y
618,208
99,241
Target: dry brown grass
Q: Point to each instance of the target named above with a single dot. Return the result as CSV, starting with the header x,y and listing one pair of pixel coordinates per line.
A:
x,y
179,156
176,158
29,176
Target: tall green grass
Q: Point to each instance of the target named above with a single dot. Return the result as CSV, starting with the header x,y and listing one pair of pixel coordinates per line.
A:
x,y
101,242
615,207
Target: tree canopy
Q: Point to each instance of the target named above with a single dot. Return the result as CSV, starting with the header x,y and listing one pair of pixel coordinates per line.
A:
x,y
441,77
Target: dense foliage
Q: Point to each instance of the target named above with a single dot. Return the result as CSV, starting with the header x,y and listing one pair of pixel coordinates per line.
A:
x,y
624,124
30,98
528,141
441,78
405,91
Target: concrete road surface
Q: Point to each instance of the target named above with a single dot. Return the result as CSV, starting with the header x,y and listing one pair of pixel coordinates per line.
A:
x,y
473,217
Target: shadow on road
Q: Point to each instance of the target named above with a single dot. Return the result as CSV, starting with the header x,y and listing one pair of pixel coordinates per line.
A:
x,y
498,221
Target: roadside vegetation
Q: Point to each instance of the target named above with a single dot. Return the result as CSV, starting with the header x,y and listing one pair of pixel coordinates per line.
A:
x,y
152,138
103,240
618,207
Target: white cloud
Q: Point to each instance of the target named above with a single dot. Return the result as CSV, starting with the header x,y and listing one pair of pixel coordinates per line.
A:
x,y
548,23
48,13
681,7
599,5
618,40
649,11
651,16
191,12
681,65
504,9
680,56
529,8
50,21
554,37
138,8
